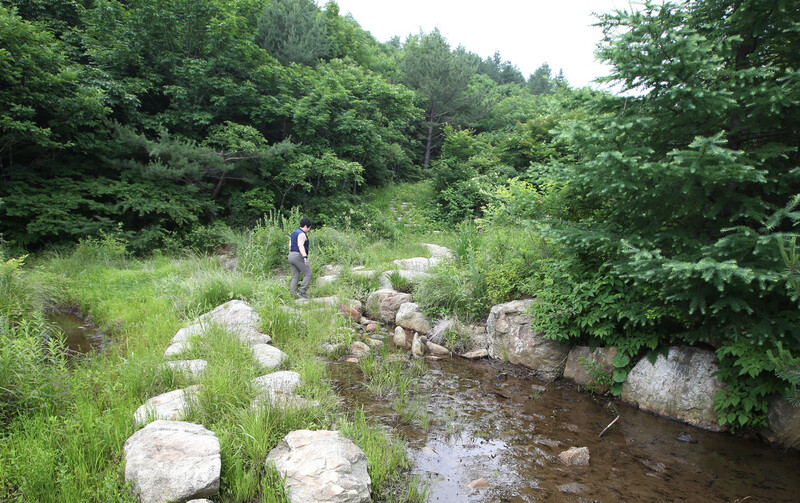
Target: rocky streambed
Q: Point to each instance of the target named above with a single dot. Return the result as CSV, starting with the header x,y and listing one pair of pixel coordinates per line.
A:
x,y
494,432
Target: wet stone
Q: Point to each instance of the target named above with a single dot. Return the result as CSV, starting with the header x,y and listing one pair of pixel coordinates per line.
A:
x,y
478,484
576,456
571,488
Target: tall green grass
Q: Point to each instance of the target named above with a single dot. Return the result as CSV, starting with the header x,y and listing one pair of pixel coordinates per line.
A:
x,y
64,443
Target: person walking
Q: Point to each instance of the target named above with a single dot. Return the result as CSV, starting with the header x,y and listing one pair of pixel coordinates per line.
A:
x,y
298,258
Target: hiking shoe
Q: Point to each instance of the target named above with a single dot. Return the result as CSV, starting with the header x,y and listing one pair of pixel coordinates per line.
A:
x,y
302,295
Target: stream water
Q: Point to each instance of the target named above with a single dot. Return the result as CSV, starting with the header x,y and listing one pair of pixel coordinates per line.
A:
x,y
492,420
82,337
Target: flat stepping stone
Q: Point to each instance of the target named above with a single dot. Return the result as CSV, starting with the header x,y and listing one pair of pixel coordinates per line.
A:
x,y
170,406
277,390
285,381
191,369
268,356
176,348
236,316
173,461
321,466
418,264
284,401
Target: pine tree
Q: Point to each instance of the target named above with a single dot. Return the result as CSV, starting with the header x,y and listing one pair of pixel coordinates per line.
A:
x,y
677,185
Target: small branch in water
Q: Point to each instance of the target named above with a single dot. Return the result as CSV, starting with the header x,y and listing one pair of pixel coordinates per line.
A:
x,y
607,427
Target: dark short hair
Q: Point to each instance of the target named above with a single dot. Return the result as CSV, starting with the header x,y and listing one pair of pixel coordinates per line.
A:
x,y
305,222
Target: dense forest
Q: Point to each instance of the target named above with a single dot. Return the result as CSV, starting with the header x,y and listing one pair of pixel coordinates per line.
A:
x,y
664,215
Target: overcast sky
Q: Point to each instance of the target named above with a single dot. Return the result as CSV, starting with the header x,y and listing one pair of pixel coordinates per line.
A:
x,y
526,32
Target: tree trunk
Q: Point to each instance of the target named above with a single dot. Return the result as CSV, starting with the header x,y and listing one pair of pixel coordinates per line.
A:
x,y
428,146
219,185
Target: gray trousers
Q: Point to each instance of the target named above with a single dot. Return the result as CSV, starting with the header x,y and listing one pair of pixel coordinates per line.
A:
x,y
299,267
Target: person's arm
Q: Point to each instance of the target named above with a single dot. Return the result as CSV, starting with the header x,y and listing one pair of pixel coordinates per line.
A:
x,y
301,245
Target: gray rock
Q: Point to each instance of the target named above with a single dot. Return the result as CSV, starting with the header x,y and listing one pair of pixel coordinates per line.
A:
x,y
384,304
572,488
191,369
327,279
418,346
276,399
413,277
332,349
187,333
333,270
384,283
236,316
400,339
268,356
284,381
439,252
511,339
680,386
172,461
321,466
277,390
576,456
170,406
476,354
437,350
410,316
359,349
783,422
364,273
578,372
374,343
418,264
177,348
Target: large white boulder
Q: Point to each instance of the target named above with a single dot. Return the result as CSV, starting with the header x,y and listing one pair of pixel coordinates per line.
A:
x,y
511,339
413,277
410,316
170,461
191,369
235,316
277,390
384,304
284,381
170,406
268,356
680,386
321,467
416,264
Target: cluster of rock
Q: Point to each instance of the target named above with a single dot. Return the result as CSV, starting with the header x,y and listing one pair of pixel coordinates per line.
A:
x,y
680,385
173,460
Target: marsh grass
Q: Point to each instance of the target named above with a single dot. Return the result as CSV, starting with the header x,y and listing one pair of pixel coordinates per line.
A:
x,y
67,447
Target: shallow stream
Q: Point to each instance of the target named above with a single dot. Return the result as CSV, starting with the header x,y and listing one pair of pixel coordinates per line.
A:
x,y
82,336
496,421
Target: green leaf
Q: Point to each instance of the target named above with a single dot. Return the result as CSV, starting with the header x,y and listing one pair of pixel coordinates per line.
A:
x,y
620,360
619,375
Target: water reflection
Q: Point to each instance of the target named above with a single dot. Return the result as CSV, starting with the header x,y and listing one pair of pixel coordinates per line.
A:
x,y
495,421
82,337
